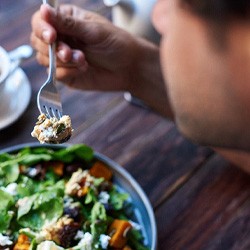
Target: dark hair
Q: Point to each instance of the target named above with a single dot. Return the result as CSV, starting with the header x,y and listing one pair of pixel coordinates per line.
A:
x,y
219,13
221,10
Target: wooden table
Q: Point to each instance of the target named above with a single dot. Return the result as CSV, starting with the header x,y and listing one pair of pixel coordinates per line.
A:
x,y
200,200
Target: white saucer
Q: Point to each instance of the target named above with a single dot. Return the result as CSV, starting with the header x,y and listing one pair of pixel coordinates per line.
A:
x,y
14,98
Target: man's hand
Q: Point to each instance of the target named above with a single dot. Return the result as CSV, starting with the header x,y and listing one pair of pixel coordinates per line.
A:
x,y
92,53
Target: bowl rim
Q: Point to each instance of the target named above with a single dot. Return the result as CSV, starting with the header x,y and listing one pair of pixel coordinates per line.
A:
x,y
117,167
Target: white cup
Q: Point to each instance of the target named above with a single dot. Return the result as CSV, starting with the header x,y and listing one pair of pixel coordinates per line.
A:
x,y
10,61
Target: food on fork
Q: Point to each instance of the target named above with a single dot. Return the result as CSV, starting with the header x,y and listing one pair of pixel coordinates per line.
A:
x,y
51,130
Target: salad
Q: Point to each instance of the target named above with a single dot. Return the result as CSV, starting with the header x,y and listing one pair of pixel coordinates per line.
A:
x,y
55,199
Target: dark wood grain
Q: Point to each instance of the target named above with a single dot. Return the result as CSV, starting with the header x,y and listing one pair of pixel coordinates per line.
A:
x,y
211,211
200,200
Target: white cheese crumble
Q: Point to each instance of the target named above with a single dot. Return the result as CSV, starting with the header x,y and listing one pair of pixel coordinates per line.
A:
x,y
32,172
10,189
79,235
86,242
48,245
5,240
103,197
104,240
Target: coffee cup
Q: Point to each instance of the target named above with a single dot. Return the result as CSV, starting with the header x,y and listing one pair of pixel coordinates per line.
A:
x,y
10,61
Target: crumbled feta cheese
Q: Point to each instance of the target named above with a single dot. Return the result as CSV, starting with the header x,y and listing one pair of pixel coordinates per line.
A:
x,y
104,240
10,189
48,245
32,172
68,201
104,197
79,235
86,242
5,240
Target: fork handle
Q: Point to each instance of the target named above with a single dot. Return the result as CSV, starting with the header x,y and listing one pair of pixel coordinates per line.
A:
x,y
52,47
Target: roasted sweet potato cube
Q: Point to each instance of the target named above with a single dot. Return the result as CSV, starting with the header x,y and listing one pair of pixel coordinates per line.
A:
x,y
83,191
124,248
57,167
99,170
23,243
118,232
127,248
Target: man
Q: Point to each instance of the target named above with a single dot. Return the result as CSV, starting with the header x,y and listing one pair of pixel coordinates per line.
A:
x,y
203,68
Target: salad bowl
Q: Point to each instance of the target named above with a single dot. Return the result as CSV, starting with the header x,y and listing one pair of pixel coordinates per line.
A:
x,y
140,209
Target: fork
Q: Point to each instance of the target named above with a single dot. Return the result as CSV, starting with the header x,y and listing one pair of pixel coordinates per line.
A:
x,y
48,98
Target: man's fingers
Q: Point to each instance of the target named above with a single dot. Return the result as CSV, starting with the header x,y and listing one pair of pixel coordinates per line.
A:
x,y
43,59
79,24
43,29
65,23
70,75
38,44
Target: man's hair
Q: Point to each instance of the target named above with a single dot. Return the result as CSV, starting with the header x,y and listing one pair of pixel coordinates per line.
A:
x,y
220,10
219,13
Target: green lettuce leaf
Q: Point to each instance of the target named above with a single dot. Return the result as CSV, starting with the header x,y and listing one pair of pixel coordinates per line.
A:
x,y
26,186
78,151
9,172
7,201
98,222
41,208
117,199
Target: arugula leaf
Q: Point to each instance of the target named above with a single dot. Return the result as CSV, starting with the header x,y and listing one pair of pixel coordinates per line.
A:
x,y
135,240
78,151
5,157
98,222
9,172
90,196
32,159
40,208
117,199
25,205
98,212
5,219
7,201
26,186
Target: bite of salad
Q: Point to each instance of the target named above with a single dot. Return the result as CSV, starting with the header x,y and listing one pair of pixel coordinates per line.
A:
x,y
56,199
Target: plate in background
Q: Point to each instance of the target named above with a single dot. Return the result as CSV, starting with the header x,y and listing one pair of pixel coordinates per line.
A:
x,y
15,96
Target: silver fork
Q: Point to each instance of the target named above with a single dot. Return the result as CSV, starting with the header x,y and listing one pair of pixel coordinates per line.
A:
x,y
48,98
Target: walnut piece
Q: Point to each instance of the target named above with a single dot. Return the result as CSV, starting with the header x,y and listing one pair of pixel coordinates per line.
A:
x,y
52,130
